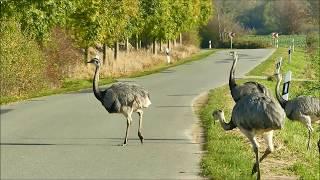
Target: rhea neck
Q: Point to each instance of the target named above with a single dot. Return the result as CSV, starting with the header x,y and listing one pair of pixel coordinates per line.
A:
x,y
95,86
232,82
225,126
278,95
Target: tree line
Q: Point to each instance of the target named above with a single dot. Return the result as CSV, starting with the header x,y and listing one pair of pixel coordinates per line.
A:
x,y
107,22
261,17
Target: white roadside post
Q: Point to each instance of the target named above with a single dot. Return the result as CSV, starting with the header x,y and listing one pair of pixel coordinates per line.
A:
x,y
168,55
209,44
286,86
273,40
278,65
277,41
231,36
293,45
289,53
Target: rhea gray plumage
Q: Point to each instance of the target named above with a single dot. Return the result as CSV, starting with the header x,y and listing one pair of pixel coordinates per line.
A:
x,y
238,91
124,98
253,114
124,94
301,108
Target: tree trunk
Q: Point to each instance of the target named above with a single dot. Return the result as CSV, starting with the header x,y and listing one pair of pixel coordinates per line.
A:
x,y
116,49
180,39
219,26
160,45
168,44
174,42
154,47
86,54
137,42
105,53
127,45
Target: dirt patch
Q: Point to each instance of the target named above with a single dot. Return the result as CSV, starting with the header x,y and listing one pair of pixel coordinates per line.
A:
x,y
276,165
197,130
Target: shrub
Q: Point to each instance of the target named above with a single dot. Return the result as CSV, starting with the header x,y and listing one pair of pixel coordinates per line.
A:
x,y
61,57
22,63
312,41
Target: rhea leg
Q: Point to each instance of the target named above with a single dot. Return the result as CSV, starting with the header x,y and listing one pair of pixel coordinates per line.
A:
x,y
268,138
255,146
307,121
129,120
140,113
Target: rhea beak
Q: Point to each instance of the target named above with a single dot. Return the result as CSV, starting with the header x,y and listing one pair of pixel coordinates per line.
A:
x,y
90,62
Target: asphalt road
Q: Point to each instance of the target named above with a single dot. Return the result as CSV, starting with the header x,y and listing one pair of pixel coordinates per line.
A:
x,y
71,136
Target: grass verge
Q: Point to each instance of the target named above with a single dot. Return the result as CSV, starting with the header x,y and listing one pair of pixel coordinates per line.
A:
x,y
230,156
70,85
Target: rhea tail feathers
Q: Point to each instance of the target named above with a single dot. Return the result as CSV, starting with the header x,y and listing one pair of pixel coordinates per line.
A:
x,y
148,103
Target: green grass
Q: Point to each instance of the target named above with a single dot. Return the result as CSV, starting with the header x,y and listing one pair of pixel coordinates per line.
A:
x,y
284,40
230,156
70,85
298,65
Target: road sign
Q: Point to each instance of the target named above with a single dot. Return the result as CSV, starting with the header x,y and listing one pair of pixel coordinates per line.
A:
x,y
286,86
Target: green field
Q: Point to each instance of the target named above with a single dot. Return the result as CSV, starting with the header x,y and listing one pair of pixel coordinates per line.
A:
x,y
229,154
284,40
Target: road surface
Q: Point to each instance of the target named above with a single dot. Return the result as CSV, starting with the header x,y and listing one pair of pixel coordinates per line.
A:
x,y
71,136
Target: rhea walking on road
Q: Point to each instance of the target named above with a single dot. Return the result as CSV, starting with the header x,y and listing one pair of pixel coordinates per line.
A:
x,y
124,98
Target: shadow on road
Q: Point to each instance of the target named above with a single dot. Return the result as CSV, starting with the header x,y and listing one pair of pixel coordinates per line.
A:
x,y
118,140
181,106
3,111
223,61
168,71
182,94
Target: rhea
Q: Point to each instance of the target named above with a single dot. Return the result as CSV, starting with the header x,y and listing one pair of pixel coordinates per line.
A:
x,y
255,114
304,109
124,98
238,91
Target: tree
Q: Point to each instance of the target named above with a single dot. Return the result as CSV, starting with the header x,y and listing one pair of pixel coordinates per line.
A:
x,y
37,17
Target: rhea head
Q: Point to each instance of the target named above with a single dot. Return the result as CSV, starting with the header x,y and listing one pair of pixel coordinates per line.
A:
x,y
95,61
218,114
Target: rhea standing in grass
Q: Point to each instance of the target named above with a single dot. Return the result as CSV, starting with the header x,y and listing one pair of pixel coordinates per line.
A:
x,y
238,91
254,114
303,108
124,98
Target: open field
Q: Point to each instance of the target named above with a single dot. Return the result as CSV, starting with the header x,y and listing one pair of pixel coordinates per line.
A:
x,y
229,154
284,40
